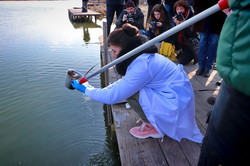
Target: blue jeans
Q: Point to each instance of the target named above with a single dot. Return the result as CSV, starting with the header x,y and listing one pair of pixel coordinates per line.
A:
x,y
147,33
207,50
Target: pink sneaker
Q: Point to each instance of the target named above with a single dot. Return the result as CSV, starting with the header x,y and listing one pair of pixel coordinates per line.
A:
x,y
144,131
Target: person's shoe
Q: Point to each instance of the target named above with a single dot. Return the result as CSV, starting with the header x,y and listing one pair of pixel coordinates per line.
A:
x,y
195,59
207,72
199,72
211,100
218,83
146,130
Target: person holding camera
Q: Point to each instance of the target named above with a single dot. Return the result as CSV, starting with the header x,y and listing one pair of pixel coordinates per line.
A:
x,y
151,4
158,22
132,15
187,40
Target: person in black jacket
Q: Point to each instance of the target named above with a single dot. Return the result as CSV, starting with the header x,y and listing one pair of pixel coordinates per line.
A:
x,y
158,22
132,15
113,6
187,41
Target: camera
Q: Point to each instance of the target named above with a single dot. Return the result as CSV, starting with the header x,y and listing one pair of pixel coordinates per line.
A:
x,y
180,16
130,18
153,24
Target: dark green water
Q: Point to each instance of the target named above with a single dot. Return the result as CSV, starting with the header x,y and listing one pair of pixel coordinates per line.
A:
x,y
41,122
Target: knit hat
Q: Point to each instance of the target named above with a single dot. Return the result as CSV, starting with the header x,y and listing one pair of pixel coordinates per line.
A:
x,y
130,4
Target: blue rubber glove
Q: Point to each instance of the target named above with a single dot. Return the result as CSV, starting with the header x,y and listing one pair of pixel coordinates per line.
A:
x,y
78,86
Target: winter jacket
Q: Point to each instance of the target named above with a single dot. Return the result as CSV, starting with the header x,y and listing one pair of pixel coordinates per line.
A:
x,y
187,34
138,18
233,55
166,95
215,21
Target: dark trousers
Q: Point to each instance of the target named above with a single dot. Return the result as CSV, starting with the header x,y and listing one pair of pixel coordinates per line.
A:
x,y
111,10
227,140
188,54
134,103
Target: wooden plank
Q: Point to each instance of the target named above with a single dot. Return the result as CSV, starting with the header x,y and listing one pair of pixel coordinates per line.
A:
x,y
173,152
203,89
78,12
191,150
133,151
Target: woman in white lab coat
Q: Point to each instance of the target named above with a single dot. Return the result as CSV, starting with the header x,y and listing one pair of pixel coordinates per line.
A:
x,y
155,87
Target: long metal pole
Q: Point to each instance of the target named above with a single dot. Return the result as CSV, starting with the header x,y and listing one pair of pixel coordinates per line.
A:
x,y
159,38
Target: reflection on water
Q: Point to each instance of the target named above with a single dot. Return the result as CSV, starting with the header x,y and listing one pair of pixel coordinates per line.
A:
x,y
42,122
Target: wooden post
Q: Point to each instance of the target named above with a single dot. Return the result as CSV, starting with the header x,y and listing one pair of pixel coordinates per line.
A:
x,y
106,73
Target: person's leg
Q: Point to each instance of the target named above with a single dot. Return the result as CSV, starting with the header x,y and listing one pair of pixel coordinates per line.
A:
x,y
84,6
145,130
118,10
134,103
110,16
211,53
227,139
186,56
150,7
202,53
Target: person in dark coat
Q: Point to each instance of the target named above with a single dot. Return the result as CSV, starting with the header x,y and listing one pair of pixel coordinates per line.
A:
x,y
132,15
113,6
209,29
158,22
187,40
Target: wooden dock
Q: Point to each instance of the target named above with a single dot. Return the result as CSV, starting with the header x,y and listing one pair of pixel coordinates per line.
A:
x,y
76,15
155,152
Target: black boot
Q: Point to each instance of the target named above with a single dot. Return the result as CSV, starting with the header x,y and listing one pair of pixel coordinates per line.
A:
x,y
199,72
207,72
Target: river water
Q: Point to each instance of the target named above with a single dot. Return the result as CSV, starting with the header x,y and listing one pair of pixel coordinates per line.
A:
x,y
42,123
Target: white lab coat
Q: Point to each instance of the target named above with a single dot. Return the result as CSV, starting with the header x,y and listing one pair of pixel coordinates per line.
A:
x,y
166,95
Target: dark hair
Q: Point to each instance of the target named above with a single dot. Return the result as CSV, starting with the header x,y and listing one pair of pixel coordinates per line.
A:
x,y
129,4
128,38
123,36
182,3
158,8
164,19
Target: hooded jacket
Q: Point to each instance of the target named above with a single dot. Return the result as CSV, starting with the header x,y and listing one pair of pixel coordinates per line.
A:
x,y
233,54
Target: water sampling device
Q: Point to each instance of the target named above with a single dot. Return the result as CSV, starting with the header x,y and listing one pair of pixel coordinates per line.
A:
x,y
221,5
